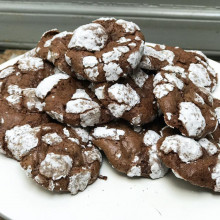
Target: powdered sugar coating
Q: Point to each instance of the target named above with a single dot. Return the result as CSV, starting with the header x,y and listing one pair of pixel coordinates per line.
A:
x,y
48,83
163,55
134,171
55,166
129,27
112,71
208,146
139,77
21,139
151,137
79,182
55,115
187,149
110,133
51,138
171,78
93,155
30,64
14,94
192,119
92,37
99,92
199,75
90,61
158,169
6,72
123,94
60,35
82,133
163,90
115,54
217,111
199,99
92,73
90,118
81,94
32,100
135,57
169,115
80,106
175,69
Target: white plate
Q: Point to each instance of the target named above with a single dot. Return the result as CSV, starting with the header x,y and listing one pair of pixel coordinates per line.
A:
x,y
119,197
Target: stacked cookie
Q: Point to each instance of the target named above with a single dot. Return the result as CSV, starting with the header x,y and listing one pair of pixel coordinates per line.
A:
x,y
147,107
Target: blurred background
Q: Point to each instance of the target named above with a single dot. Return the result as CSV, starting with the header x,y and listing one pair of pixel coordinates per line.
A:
x,y
187,24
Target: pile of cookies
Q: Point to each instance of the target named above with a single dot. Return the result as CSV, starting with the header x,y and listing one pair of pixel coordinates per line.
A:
x,y
102,88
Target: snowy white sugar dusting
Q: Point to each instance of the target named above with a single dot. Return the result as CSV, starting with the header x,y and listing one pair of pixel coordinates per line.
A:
x,y
55,166
52,138
21,139
139,77
110,133
30,63
163,90
79,181
6,72
187,149
192,119
123,94
91,36
48,83
128,26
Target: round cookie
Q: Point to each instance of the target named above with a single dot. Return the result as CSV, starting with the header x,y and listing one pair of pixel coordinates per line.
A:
x,y
63,159
193,65
18,82
53,47
185,106
69,101
197,162
128,151
104,50
131,98
11,119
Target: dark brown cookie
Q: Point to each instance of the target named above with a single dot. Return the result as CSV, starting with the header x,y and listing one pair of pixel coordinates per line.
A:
x,y
184,105
104,50
70,101
128,151
18,82
131,99
190,64
197,162
23,124
63,159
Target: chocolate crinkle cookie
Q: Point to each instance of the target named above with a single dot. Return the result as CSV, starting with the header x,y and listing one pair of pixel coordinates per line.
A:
x,y
104,50
69,101
197,162
190,64
185,106
61,158
131,99
18,82
129,151
16,129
